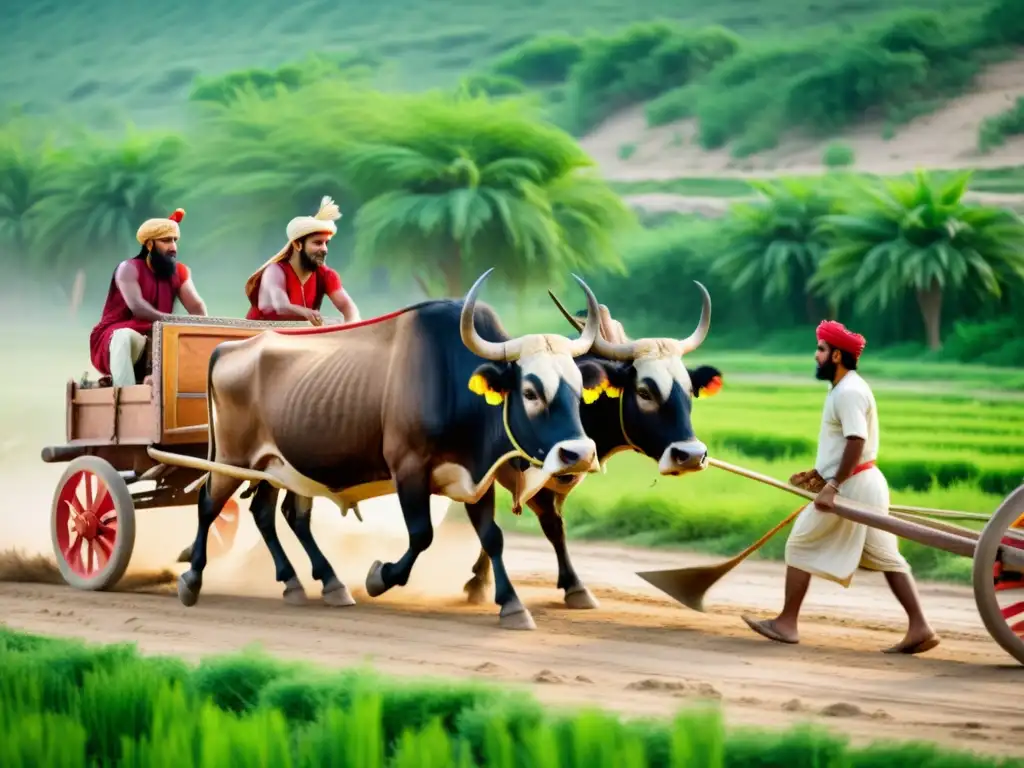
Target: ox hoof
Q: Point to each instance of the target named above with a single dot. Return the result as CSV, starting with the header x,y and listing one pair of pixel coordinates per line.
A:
x,y
336,594
189,584
515,616
580,598
375,585
294,594
476,592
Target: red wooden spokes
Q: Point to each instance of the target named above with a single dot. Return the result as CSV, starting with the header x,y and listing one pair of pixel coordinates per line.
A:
x,y
86,523
1011,580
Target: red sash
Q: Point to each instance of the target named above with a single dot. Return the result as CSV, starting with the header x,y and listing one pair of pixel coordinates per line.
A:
x,y
862,467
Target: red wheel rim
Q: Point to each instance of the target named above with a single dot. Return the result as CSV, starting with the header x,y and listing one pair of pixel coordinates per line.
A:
x,y
86,523
1008,582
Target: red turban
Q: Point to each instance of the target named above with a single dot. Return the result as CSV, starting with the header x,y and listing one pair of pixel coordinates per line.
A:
x,y
835,334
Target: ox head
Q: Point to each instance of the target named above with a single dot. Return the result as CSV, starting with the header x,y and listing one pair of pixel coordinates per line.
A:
x,y
654,388
536,381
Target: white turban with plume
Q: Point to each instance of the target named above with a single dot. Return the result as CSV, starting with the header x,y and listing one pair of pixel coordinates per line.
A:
x,y
299,227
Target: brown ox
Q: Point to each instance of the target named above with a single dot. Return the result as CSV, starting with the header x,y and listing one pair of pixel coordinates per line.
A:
x,y
384,407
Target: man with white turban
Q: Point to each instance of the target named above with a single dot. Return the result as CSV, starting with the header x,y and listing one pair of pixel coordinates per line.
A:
x,y
142,290
292,285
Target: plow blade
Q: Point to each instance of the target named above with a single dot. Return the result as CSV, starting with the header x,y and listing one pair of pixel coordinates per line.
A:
x,y
689,585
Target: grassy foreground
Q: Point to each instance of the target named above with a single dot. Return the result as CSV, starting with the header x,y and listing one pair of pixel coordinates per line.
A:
x,y
942,452
70,704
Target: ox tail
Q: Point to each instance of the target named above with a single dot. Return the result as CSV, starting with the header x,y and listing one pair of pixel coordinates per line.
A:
x,y
211,454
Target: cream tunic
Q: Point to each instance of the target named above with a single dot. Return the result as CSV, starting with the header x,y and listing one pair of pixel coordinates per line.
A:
x,y
823,543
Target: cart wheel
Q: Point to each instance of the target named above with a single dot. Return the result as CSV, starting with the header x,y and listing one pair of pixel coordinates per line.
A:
x,y
92,524
1003,618
223,531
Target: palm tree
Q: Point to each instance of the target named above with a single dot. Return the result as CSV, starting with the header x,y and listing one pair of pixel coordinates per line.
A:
x,y
27,178
918,235
105,191
445,184
452,185
773,243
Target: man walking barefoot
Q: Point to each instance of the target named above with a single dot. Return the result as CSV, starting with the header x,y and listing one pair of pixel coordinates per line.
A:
x,y
823,543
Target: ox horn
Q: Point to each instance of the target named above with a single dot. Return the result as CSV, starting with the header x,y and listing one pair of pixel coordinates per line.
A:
x,y
573,320
602,347
592,330
695,339
503,351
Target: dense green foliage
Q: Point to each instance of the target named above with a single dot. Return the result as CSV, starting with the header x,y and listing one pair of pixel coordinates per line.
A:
x,y
749,91
71,704
443,186
994,130
430,198
894,258
97,63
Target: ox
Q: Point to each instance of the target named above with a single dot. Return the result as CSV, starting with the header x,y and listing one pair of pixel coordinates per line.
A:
x,y
386,407
646,408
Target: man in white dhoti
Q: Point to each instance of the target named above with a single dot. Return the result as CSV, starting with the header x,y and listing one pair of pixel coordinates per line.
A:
x,y
824,544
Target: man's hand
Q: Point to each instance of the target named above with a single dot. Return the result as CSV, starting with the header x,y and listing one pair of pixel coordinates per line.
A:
x,y
809,480
826,499
314,317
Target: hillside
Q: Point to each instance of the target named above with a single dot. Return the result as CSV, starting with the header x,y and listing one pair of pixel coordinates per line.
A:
x,y
108,61
945,138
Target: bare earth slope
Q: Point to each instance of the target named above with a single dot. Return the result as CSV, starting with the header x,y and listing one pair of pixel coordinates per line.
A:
x,y
946,138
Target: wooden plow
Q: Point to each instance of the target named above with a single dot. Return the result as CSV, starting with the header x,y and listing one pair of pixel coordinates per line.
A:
x,y
997,551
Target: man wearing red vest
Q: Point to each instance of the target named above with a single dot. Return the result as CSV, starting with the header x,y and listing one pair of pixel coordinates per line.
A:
x,y
142,290
292,285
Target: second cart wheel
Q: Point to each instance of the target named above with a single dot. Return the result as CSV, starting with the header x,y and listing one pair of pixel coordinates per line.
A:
x,y
223,531
92,524
999,589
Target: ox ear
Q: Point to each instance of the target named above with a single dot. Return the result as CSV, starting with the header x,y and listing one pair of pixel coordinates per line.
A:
x,y
595,380
706,380
493,382
609,378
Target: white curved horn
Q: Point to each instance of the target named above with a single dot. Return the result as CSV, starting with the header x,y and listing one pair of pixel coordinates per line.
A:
x,y
695,339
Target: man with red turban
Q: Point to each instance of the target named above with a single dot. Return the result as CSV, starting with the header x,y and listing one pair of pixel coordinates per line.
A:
x,y
142,290
292,284
823,543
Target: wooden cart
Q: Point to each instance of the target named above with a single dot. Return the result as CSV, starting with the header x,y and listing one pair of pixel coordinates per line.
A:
x,y
109,431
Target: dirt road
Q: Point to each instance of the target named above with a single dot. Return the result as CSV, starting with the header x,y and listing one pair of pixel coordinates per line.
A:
x,y
639,653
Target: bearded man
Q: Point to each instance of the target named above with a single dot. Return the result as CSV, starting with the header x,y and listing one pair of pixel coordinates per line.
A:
x,y
292,285
142,291
823,543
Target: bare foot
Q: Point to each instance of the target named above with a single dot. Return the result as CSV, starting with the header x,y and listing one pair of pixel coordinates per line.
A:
x,y
915,643
770,629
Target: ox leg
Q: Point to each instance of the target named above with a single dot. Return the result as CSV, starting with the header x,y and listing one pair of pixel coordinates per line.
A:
x,y
296,511
514,614
414,496
476,587
547,505
212,497
263,508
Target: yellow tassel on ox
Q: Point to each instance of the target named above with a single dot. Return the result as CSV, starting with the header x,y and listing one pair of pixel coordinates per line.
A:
x,y
478,385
